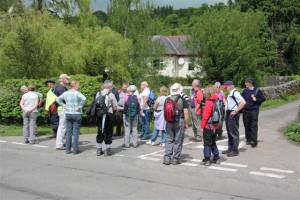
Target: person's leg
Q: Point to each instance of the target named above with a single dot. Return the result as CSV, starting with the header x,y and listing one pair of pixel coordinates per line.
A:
x,y
230,140
207,143
61,130
127,132
247,122
154,135
214,148
100,135
178,141
119,123
163,137
32,127
254,127
195,123
69,129
54,120
234,132
169,143
147,124
134,123
108,133
76,130
26,127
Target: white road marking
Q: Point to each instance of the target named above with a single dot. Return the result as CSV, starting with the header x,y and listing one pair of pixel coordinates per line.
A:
x,y
193,160
119,155
222,169
149,158
277,170
3,141
233,164
19,143
189,164
158,155
299,179
223,147
41,146
267,174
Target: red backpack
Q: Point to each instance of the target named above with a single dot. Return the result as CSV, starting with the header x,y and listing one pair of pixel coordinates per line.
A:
x,y
171,110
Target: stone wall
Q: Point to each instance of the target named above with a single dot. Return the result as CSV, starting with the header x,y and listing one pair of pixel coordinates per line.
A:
x,y
277,80
288,88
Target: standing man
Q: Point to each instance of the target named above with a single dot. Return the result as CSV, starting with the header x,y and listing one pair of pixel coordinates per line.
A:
x,y
73,102
177,116
119,114
29,104
197,102
59,90
106,105
51,107
145,110
254,98
235,104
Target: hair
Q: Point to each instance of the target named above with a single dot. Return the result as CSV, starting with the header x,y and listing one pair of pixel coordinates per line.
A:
x,y
107,84
74,83
131,88
176,88
196,82
145,83
209,91
24,88
164,91
31,87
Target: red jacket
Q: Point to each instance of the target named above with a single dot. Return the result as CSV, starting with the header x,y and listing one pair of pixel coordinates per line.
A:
x,y
198,98
208,111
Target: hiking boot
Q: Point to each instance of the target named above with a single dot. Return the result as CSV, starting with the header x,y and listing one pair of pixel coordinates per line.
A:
x,y
26,142
167,161
206,162
176,162
76,152
226,152
107,152
68,152
253,144
233,154
99,152
248,142
215,159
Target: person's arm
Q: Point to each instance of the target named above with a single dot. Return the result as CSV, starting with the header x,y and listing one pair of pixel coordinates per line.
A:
x,y
259,98
186,117
155,106
241,105
114,103
22,104
60,99
207,114
82,101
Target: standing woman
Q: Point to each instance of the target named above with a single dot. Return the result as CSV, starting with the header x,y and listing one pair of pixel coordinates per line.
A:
x,y
73,102
29,104
159,118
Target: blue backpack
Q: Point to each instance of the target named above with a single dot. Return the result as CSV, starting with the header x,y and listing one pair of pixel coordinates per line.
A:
x,y
151,98
132,107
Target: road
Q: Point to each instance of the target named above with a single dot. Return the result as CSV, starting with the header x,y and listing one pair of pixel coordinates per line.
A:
x,y
269,172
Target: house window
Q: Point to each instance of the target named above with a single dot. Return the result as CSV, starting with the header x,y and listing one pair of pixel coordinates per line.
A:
x,y
158,63
192,64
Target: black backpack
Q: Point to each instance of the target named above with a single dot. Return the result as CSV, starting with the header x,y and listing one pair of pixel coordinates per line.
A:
x,y
101,108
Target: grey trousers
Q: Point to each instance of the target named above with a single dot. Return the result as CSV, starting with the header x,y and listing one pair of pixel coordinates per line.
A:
x,y
29,126
130,126
175,136
195,122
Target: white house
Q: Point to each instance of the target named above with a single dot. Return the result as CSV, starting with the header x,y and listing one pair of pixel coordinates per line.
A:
x,y
176,61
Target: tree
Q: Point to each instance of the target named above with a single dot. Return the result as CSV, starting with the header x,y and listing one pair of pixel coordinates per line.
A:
x,y
232,45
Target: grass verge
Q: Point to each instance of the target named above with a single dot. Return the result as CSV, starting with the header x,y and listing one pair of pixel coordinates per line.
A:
x,y
279,102
293,132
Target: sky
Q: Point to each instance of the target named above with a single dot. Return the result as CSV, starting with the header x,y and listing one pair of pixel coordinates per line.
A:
x,y
102,4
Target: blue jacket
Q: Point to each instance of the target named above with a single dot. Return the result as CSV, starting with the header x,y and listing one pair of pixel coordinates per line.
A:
x,y
253,105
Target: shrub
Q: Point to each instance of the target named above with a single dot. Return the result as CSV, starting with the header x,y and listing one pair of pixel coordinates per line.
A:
x,y
293,132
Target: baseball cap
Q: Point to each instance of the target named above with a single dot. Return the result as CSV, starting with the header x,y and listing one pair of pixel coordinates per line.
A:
x,y
49,81
250,79
228,83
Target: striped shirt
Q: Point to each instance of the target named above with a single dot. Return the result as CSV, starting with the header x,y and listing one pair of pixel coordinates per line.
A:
x,y
72,101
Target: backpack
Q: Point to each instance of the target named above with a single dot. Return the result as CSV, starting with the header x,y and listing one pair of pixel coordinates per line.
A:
x,y
171,110
151,98
101,108
217,114
132,107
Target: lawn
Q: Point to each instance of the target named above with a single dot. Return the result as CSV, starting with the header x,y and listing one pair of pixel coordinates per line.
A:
x,y
15,130
293,132
279,102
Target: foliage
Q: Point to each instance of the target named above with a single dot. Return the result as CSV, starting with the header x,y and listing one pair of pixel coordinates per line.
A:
x,y
232,45
10,111
273,103
293,132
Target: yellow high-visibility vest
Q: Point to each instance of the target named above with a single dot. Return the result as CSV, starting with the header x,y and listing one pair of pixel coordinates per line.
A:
x,y
50,99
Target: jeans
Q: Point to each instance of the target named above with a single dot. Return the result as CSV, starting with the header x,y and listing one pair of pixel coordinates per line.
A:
x,y
210,145
29,126
250,119
73,122
232,126
145,124
130,131
175,137
155,136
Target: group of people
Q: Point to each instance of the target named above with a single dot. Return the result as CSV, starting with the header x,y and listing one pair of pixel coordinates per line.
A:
x,y
131,110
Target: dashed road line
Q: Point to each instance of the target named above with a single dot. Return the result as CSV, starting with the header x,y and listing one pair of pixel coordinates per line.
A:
x,y
150,158
277,170
223,169
267,174
18,143
233,164
41,146
3,141
193,160
189,164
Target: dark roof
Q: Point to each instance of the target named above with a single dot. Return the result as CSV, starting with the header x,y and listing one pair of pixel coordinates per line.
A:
x,y
174,45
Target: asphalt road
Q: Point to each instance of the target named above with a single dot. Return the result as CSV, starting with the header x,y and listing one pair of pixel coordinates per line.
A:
x,y
271,171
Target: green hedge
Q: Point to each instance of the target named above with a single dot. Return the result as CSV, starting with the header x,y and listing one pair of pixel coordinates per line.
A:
x,y
293,132
10,95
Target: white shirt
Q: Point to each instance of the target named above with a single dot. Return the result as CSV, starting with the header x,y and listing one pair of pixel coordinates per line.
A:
x,y
29,100
231,104
145,93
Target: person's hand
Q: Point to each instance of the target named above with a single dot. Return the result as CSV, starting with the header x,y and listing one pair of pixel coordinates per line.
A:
x,y
78,110
142,113
186,125
253,97
233,113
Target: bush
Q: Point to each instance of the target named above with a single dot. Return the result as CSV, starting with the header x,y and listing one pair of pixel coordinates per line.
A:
x,y
293,132
10,95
